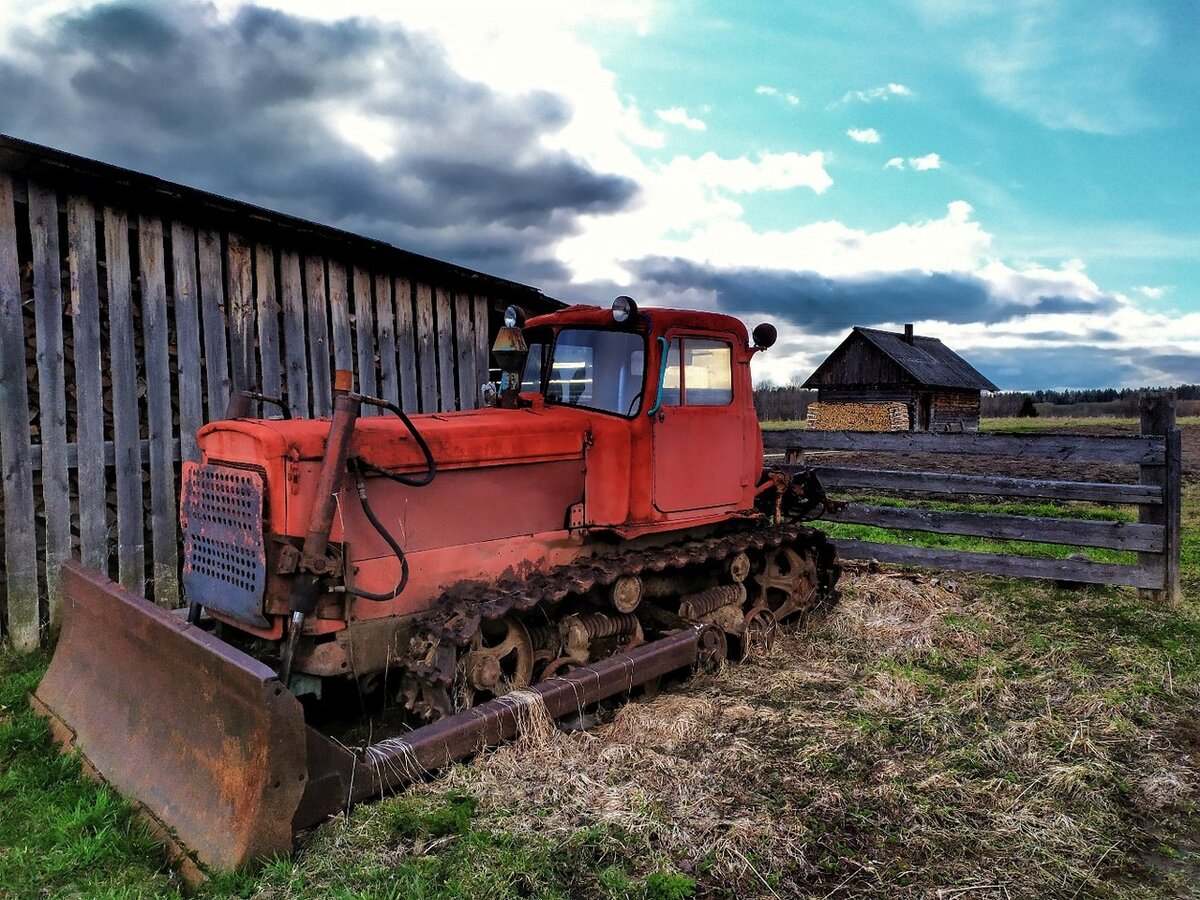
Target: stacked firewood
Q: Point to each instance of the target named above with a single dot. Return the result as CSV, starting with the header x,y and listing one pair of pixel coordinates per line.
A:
x,y
874,416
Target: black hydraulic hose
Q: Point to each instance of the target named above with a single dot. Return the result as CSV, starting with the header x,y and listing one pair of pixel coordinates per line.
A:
x,y
430,464
356,467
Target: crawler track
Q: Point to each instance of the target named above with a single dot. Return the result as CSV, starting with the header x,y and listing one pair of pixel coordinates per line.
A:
x,y
793,569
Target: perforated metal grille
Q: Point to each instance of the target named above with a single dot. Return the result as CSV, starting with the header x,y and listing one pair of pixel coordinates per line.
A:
x,y
225,560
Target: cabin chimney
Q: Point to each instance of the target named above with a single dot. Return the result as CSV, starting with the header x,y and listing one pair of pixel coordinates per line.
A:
x,y
908,333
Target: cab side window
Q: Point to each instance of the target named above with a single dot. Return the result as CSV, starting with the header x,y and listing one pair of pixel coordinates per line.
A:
x,y
699,372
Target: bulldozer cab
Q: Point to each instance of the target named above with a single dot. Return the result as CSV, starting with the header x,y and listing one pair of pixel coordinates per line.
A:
x,y
681,378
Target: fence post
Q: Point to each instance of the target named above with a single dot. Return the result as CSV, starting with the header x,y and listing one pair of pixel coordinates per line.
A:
x,y
1158,419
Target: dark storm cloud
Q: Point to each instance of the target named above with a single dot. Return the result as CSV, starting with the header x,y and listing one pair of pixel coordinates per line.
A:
x,y
1093,335
1183,368
1080,366
242,108
821,305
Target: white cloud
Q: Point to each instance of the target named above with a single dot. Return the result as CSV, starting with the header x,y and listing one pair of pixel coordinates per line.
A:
x,y
689,207
864,135
786,96
885,92
686,204
677,115
373,135
741,175
918,163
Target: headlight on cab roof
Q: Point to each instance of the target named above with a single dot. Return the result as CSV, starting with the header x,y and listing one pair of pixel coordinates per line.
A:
x,y
622,308
514,317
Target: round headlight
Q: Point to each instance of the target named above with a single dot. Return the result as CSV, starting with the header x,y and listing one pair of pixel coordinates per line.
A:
x,y
622,308
514,317
765,335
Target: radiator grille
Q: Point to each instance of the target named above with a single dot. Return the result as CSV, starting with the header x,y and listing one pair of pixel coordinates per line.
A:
x,y
225,559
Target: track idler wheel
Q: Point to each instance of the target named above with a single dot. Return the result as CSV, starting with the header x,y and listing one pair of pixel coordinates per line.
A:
x,y
498,658
787,585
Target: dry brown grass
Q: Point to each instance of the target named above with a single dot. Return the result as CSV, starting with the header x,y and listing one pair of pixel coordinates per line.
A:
x,y
925,739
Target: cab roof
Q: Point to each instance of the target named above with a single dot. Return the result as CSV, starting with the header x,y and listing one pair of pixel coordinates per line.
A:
x,y
651,318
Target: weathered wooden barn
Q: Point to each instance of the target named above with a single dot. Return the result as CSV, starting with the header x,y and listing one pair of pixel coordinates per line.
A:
x,y
130,309
940,389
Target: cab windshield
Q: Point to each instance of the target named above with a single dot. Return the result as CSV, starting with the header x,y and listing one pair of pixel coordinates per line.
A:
x,y
592,368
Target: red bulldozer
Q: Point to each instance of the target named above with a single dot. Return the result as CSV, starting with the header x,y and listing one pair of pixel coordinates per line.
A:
x,y
604,522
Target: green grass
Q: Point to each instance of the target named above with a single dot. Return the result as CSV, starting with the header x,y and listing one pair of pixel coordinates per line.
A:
x,y
63,835
59,832
1011,733
1045,509
1011,424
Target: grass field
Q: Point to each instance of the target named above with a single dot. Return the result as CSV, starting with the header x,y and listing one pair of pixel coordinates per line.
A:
x,y
942,737
1044,423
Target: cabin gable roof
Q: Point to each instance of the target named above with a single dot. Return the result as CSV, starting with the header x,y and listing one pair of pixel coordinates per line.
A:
x,y
925,362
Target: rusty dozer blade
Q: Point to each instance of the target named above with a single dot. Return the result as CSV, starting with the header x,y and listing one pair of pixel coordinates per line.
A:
x,y
207,741
201,736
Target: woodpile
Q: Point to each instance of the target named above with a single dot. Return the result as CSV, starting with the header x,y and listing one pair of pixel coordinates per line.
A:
x,y
876,416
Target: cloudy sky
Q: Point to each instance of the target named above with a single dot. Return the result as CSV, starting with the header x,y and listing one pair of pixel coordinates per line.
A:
x,y
1018,177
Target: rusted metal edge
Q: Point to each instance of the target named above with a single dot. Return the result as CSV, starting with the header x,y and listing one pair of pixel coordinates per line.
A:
x,y
202,736
339,778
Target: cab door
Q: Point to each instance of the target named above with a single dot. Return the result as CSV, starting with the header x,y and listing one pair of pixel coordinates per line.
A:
x,y
698,427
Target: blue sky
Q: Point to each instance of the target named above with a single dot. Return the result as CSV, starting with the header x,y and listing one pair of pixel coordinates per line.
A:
x,y
1018,178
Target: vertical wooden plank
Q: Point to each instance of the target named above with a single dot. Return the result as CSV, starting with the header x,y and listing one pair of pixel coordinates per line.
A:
x,y
339,311
52,388
405,347
131,551
240,308
268,322
155,338
385,324
1173,510
89,388
1158,419
212,305
426,347
483,344
316,303
464,344
364,332
295,345
186,301
447,394
16,462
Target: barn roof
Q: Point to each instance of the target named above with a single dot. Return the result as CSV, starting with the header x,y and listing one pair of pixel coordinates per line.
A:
x,y
926,360
123,187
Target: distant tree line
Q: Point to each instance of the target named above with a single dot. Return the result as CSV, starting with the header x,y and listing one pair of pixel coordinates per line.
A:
x,y
1083,403
1106,395
790,402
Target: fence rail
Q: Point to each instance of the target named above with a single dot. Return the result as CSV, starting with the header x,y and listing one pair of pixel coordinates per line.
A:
x,y
129,311
1155,537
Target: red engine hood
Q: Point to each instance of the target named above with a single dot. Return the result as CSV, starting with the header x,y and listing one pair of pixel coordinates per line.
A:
x,y
457,439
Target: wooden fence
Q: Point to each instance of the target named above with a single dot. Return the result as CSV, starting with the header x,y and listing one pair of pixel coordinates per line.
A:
x,y
1155,537
131,308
